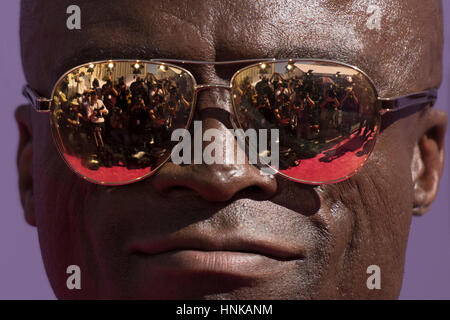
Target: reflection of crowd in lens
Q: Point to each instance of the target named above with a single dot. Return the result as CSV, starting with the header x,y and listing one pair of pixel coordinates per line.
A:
x,y
313,112
119,125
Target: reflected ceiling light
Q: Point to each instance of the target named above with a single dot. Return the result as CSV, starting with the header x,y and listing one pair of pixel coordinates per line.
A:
x,y
91,66
162,68
263,66
289,67
111,65
137,66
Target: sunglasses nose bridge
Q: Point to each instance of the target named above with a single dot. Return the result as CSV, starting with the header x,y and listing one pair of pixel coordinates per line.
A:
x,y
202,87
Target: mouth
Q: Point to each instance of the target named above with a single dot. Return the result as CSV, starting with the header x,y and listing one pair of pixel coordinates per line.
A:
x,y
236,257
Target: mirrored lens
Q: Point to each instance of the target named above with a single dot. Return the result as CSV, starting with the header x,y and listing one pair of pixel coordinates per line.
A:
x,y
326,116
113,120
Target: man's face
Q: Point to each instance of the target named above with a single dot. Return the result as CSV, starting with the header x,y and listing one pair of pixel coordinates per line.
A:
x,y
267,237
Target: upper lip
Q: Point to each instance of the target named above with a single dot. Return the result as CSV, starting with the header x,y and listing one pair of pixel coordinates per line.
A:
x,y
270,248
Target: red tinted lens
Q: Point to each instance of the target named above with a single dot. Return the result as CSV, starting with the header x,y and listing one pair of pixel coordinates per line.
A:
x,y
326,115
113,121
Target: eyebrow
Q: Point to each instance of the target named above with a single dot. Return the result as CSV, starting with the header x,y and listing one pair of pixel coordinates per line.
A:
x,y
90,53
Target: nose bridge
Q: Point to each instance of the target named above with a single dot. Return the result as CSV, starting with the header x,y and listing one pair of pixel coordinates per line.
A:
x,y
217,181
212,95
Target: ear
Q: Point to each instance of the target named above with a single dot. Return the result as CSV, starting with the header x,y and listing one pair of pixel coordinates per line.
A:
x,y
25,162
428,159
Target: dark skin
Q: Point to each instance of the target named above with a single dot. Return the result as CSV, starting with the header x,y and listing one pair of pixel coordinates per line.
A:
x,y
334,231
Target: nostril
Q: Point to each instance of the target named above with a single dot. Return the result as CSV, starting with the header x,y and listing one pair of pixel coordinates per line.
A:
x,y
254,192
174,188
214,182
254,189
177,188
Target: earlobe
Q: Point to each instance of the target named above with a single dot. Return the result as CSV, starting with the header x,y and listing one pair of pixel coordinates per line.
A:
x,y
428,161
25,162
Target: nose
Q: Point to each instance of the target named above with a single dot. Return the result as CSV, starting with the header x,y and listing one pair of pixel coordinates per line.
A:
x,y
217,181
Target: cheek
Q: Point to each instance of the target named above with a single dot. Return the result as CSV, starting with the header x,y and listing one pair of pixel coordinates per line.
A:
x,y
369,217
59,207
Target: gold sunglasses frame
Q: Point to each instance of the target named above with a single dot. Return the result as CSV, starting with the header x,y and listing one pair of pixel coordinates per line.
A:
x,y
384,105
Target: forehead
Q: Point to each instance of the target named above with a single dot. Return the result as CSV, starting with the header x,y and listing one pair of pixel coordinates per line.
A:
x,y
398,43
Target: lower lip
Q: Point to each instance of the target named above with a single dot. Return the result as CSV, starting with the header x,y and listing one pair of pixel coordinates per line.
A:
x,y
241,264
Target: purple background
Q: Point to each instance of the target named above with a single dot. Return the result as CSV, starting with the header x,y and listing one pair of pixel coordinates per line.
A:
x,y
22,275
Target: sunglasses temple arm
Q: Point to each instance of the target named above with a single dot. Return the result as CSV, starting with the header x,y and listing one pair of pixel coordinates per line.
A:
x,y
40,104
403,102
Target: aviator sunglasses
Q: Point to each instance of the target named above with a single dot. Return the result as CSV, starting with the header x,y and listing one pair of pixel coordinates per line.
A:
x,y
112,120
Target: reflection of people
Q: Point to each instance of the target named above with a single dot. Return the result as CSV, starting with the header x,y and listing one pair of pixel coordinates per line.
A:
x,y
110,95
315,111
138,90
122,95
65,86
80,83
263,89
138,115
76,123
329,112
96,111
350,110
229,231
